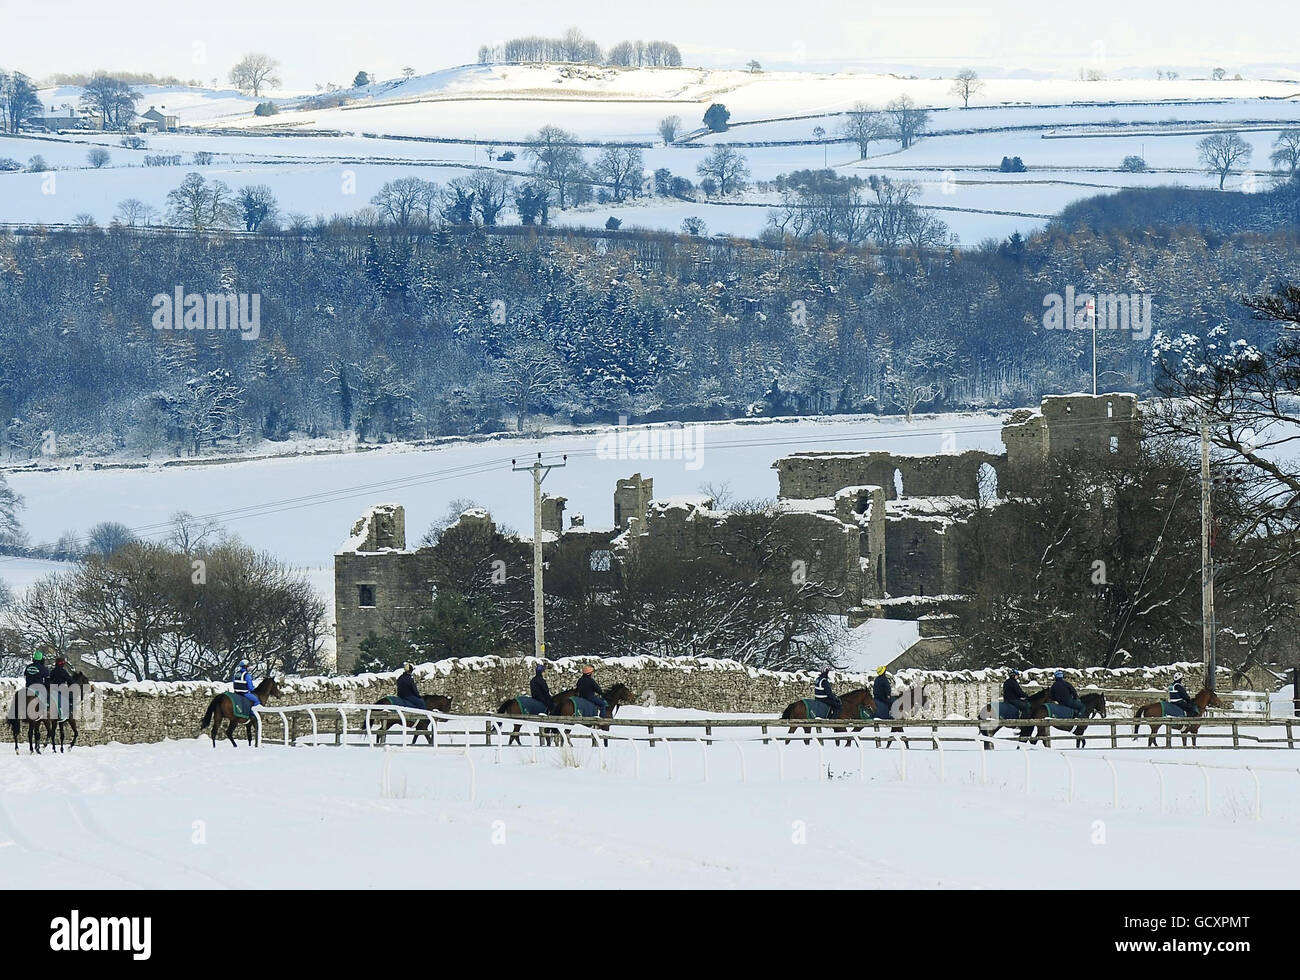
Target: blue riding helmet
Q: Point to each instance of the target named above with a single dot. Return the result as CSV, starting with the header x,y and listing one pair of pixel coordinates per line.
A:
x,y
539,668
1059,674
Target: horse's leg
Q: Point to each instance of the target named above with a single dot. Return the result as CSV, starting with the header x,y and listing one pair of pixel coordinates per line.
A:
x,y
230,731
75,733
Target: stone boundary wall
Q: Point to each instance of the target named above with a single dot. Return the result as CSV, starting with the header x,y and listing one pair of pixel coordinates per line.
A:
x,y
153,711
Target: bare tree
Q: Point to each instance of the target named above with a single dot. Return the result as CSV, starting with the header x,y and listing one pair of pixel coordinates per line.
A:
x,y
726,166
255,72
201,205
622,168
909,120
557,160
1286,151
1220,153
864,126
669,127
134,212
406,199
529,370
965,84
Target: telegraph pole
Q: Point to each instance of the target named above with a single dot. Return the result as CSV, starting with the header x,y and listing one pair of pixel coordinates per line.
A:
x,y
540,471
1207,559
1092,313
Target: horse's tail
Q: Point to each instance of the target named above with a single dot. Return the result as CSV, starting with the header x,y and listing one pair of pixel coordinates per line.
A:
x,y
788,713
212,710
505,705
1137,713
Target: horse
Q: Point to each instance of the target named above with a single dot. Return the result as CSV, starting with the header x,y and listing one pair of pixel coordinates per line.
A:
x,y
1025,730
856,704
1094,704
67,699
511,706
32,707
1204,698
223,708
615,695
434,702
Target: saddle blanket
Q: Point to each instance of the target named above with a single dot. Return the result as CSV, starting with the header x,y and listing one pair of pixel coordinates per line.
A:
x,y
531,706
816,709
1005,710
394,700
242,707
584,708
1059,711
1172,710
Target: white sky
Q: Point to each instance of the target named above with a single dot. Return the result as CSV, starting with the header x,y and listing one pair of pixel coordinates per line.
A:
x,y
329,40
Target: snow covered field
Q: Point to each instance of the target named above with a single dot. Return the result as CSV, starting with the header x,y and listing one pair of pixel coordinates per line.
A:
x,y
1071,135
302,508
181,814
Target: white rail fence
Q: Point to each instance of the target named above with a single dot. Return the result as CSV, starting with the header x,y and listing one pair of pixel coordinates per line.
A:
x,y
459,734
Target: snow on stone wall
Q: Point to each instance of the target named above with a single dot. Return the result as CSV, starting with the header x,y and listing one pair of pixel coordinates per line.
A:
x,y
151,711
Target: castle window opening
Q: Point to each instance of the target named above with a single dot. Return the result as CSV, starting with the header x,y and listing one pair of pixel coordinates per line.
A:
x,y
366,596
600,561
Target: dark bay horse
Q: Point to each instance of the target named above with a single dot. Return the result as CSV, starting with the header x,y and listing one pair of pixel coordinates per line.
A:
x,y
223,709
512,707
65,705
615,695
32,708
856,704
389,719
1094,705
1204,698
1026,731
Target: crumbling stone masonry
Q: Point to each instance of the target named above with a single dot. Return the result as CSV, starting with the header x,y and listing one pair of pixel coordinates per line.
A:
x,y
878,525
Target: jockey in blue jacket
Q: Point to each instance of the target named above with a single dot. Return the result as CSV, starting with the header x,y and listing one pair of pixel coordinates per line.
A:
x,y
882,693
1178,695
822,692
243,682
1063,693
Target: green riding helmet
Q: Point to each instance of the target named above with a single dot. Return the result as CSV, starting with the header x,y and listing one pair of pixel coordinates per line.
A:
x,y
38,655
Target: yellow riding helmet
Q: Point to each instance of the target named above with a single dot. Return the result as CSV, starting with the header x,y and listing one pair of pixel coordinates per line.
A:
x,y
879,671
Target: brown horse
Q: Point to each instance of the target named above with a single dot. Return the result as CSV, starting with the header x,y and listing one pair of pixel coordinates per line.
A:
x,y
854,705
32,707
511,707
434,702
1094,704
1204,698
223,709
615,695
65,705
1026,731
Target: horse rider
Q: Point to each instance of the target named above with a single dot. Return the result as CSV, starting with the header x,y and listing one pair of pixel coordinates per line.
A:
x,y
60,683
1013,694
407,692
822,692
243,682
1063,693
36,678
1178,695
589,689
540,690
882,693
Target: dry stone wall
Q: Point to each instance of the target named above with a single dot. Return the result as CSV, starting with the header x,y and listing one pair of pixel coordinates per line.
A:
x,y
151,712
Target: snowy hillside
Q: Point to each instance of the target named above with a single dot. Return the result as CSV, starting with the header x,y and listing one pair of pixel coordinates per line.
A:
x,y
1070,134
